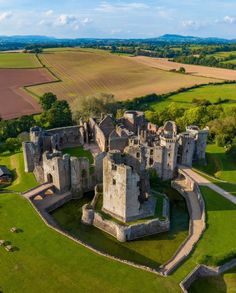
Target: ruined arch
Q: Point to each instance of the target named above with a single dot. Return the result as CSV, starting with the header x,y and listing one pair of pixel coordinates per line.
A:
x,y
49,178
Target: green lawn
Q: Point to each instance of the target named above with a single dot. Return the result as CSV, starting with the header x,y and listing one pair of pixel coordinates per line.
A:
x,y
18,60
79,152
221,284
209,92
221,166
219,237
152,251
22,181
46,261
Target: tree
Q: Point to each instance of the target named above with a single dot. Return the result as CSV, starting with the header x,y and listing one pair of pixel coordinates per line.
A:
x,y
95,105
182,70
58,115
13,144
47,101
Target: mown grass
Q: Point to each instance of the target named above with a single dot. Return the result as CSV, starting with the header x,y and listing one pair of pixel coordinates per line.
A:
x,y
152,251
48,262
79,152
21,181
221,284
219,164
18,60
209,92
219,237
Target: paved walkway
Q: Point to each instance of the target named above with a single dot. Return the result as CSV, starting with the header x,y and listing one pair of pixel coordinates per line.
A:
x,y
205,182
38,190
197,224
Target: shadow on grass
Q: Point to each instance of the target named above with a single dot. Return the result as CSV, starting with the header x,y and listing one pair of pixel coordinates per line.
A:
x,y
209,284
151,251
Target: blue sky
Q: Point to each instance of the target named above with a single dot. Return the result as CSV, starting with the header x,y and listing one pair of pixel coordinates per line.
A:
x,y
118,19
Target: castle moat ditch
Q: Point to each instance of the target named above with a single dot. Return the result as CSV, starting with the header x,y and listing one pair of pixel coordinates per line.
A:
x,y
150,251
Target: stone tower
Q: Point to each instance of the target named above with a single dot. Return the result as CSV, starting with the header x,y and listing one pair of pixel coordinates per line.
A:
x,y
200,141
186,149
168,140
123,187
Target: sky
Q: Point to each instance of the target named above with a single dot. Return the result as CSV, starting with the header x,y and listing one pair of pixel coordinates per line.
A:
x,y
118,19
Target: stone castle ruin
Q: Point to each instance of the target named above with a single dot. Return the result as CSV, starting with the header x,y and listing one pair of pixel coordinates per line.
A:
x,y
124,151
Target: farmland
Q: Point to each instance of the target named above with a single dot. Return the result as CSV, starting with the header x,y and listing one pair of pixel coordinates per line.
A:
x,y
87,72
195,70
15,101
18,60
210,92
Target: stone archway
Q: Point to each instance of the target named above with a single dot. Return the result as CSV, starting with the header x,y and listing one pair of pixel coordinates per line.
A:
x,y
49,178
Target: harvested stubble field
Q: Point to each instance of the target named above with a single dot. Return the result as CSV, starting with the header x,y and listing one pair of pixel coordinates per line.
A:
x,y
195,70
87,72
14,100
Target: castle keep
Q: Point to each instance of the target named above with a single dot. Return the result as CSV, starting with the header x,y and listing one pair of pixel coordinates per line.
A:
x,y
124,151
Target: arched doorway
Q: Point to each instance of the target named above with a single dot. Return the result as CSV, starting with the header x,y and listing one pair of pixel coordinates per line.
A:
x,y
49,178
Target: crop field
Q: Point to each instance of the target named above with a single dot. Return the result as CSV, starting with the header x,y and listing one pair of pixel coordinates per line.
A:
x,y
209,92
15,101
221,55
18,60
195,70
88,72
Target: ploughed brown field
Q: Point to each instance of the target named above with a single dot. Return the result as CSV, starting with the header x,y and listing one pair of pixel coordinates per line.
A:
x,y
196,70
14,100
85,72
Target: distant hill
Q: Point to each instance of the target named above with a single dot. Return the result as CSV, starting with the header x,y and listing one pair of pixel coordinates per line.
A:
x,y
20,42
190,39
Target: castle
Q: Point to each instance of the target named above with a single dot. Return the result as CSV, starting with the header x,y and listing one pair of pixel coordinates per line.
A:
x,y
124,151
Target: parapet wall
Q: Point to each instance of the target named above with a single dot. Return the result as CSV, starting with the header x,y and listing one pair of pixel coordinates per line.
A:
x,y
202,271
126,233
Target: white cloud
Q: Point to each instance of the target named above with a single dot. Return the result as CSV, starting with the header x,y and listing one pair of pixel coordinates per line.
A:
x,y
5,15
191,24
66,19
86,21
229,19
49,12
108,7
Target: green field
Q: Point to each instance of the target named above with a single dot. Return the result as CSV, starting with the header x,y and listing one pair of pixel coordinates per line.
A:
x,y
64,266
160,247
221,284
209,92
79,152
219,164
18,60
22,181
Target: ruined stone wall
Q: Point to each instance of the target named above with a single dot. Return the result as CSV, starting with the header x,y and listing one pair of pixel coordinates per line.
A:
x,y
155,159
98,161
81,179
186,149
100,138
68,136
29,153
201,143
57,170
